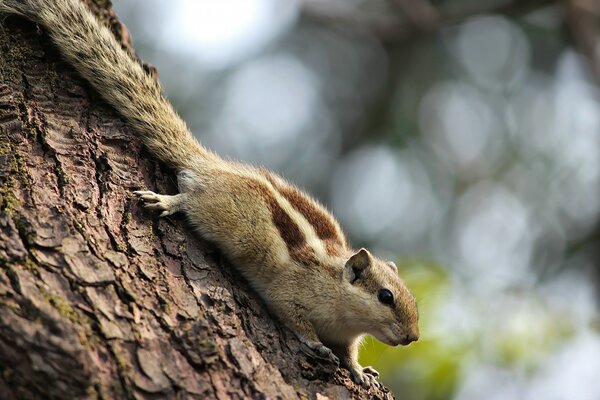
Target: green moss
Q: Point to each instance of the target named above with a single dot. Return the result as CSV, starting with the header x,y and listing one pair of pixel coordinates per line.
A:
x,y
5,147
82,322
8,200
16,174
124,369
97,391
53,78
62,306
152,233
60,174
19,164
16,53
32,267
25,233
16,171
122,364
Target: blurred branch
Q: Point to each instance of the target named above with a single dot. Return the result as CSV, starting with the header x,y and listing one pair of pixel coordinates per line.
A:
x,y
415,16
336,13
583,20
419,12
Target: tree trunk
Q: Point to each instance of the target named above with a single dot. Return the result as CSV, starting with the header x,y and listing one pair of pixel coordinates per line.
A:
x,y
99,299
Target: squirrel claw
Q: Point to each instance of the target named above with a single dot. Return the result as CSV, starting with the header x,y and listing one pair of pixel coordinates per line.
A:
x,y
365,378
371,371
152,201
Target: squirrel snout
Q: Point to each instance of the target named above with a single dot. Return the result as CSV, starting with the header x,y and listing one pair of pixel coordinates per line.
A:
x,y
411,336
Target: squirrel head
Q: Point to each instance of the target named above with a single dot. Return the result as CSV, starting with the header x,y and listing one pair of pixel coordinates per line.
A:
x,y
388,309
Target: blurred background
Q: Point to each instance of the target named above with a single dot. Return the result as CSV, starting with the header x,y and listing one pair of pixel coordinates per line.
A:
x,y
460,138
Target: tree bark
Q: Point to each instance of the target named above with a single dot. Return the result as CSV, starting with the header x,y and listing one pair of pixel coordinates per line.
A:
x,y
99,299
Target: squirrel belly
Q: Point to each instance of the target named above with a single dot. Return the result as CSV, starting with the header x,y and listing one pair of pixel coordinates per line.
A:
x,y
290,248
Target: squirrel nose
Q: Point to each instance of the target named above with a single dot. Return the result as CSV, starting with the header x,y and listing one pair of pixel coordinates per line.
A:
x,y
410,337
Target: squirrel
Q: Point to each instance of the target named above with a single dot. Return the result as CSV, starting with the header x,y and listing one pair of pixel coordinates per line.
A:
x,y
285,244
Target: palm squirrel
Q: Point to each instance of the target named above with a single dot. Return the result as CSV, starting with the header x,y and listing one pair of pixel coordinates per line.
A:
x,y
284,243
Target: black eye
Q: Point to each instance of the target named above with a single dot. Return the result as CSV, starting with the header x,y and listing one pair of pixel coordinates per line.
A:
x,y
386,297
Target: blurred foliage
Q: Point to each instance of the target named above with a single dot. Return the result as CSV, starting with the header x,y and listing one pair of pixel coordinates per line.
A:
x,y
432,367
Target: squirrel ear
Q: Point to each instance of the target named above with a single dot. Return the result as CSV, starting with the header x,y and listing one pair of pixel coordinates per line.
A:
x,y
356,265
393,266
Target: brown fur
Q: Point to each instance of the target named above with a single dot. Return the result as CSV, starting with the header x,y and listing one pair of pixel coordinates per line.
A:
x,y
325,227
290,233
290,249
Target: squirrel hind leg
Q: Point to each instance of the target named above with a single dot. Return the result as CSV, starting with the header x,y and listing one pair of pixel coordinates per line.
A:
x,y
168,205
187,180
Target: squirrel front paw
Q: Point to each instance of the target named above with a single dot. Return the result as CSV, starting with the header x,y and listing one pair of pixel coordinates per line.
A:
x,y
153,201
319,350
366,377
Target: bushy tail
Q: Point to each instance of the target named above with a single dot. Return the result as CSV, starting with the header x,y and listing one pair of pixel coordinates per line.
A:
x,y
122,82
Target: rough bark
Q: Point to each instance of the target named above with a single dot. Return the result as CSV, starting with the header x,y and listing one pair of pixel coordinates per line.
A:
x,y
99,299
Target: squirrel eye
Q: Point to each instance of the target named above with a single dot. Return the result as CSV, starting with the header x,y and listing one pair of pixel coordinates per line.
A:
x,y
386,297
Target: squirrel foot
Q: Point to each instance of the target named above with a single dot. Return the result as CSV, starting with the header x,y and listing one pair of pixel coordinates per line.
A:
x,y
366,377
167,204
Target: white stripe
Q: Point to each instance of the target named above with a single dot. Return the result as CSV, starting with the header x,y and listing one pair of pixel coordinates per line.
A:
x,y
310,235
